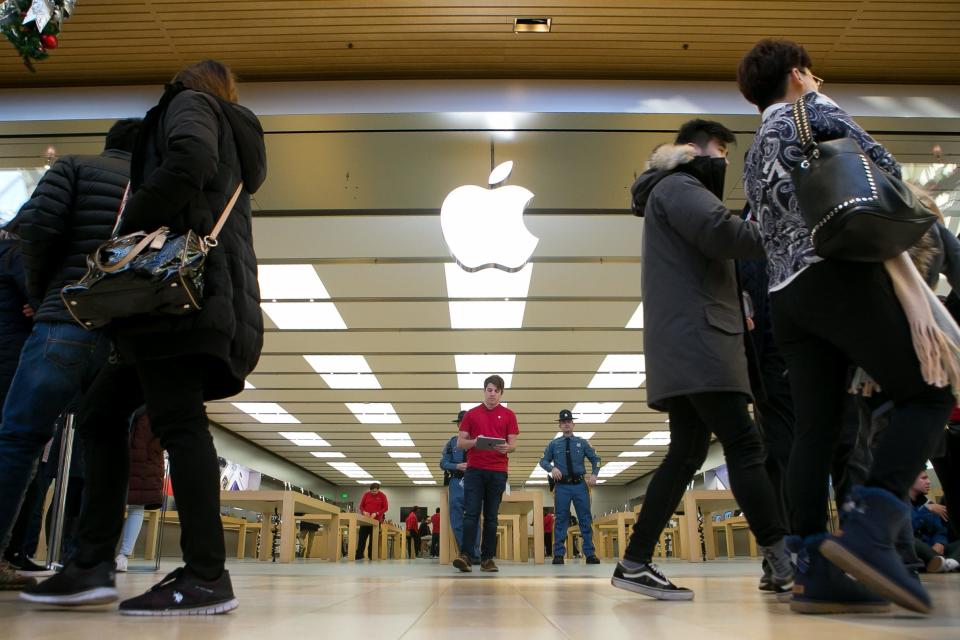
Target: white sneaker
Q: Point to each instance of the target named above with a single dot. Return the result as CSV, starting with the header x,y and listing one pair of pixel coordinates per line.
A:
x,y
121,562
949,564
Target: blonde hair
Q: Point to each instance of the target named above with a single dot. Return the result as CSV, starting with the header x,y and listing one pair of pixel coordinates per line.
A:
x,y
926,200
210,77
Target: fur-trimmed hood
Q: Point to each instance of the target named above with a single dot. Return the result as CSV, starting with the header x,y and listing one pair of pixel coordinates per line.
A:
x,y
663,161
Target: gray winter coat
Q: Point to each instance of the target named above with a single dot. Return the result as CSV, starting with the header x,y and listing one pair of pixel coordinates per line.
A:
x,y
692,314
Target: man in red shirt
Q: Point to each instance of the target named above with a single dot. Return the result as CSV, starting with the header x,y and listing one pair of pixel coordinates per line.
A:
x,y
413,533
486,476
373,504
435,538
548,521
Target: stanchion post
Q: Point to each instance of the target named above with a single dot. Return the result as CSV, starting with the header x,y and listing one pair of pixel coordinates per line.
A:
x,y
60,493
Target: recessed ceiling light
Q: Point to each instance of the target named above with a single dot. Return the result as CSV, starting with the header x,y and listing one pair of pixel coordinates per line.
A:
x,y
536,482
373,412
350,469
635,454
473,369
594,412
486,314
586,435
344,372
415,469
404,454
636,320
424,482
487,283
304,438
266,412
601,481
620,371
538,472
532,25
290,282
654,438
327,454
304,315
611,469
367,483
247,385
393,439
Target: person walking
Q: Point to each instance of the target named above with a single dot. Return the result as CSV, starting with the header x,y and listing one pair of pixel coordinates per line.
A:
x,y
563,460
194,149
828,315
694,347
373,504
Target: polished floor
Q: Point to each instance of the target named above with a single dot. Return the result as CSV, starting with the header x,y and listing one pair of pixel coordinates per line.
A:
x,y
420,599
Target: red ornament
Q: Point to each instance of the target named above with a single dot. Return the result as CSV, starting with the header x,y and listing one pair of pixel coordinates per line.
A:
x,y
49,41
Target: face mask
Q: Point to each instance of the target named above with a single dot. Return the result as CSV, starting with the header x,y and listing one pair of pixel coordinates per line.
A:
x,y
709,171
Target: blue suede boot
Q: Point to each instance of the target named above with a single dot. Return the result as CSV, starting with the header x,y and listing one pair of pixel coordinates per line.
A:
x,y
820,587
864,548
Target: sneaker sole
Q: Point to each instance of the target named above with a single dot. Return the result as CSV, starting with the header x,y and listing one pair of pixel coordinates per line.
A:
x,y
627,585
206,610
99,595
494,570
813,607
871,578
462,566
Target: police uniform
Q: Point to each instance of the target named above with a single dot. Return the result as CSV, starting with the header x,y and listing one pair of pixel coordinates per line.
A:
x,y
453,478
567,454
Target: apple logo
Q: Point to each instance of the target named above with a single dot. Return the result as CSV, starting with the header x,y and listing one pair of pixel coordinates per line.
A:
x,y
484,227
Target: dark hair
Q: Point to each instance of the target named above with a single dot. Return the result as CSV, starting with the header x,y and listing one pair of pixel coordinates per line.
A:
x,y
762,74
123,134
701,132
374,485
438,510
210,77
496,380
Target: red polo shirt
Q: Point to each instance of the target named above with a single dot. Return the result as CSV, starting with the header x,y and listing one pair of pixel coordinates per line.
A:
x,y
548,523
375,504
498,422
413,525
435,523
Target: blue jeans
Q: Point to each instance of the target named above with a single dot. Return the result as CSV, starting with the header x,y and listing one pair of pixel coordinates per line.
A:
x,y
58,362
580,496
482,491
456,517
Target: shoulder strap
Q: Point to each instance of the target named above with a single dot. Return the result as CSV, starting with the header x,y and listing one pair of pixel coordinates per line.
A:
x,y
802,120
211,238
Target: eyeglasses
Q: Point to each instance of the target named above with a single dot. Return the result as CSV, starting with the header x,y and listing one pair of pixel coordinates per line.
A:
x,y
818,80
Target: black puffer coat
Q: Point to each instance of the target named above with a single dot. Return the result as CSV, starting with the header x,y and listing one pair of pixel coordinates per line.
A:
x,y
192,152
71,212
14,326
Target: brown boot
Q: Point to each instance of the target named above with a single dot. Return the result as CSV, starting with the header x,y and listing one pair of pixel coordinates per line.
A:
x,y
488,565
462,562
10,580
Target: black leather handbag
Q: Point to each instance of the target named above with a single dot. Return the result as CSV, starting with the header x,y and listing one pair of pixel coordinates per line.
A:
x,y
854,210
143,273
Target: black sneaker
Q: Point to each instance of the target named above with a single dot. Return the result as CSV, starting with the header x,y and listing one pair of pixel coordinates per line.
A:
x,y
645,578
593,560
75,586
557,559
25,565
183,594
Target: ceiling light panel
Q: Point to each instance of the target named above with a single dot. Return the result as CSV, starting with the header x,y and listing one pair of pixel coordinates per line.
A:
x,y
620,371
415,469
344,372
635,454
612,469
373,412
487,283
304,438
636,320
350,469
266,412
391,439
404,454
653,439
466,406
536,482
486,314
472,370
290,282
538,472
327,454
424,482
293,316
586,435
247,385
595,412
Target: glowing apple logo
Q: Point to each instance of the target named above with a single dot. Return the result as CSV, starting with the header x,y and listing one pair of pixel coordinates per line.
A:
x,y
484,227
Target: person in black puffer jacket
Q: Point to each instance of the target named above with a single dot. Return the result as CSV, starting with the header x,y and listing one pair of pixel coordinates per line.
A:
x,y
195,147
72,210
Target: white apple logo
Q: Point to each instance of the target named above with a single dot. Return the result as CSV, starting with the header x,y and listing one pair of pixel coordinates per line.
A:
x,y
484,227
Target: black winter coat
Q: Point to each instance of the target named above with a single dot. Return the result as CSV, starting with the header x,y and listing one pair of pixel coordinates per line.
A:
x,y
192,153
14,326
71,212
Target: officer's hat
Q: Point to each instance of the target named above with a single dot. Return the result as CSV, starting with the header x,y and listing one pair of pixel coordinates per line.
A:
x,y
565,415
459,417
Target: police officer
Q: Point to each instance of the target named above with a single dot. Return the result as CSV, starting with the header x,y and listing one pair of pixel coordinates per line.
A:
x,y
563,460
454,463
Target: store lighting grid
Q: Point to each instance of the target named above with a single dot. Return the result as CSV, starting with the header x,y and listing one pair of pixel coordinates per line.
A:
x,y
404,454
506,312
373,412
654,439
327,454
344,371
635,454
393,439
594,412
620,371
304,438
290,293
350,469
614,468
266,412
473,369
416,470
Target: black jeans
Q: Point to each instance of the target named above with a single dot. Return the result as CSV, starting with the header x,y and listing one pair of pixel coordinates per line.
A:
x,y
692,419
173,392
833,315
774,415
413,545
364,534
482,491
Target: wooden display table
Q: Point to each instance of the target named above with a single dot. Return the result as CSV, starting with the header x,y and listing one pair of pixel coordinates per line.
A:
x,y
573,531
152,522
352,523
728,525
614,525
675,534
389,530
526,504
707,501
512,549
287,503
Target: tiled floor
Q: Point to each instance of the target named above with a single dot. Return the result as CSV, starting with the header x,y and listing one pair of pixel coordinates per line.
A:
x,y
420,599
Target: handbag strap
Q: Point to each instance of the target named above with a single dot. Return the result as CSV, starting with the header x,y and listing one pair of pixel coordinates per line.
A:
x,y
802,120
133,253
211,239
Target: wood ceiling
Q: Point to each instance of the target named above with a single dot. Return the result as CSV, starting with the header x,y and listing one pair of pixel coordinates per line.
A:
x,y
146,41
